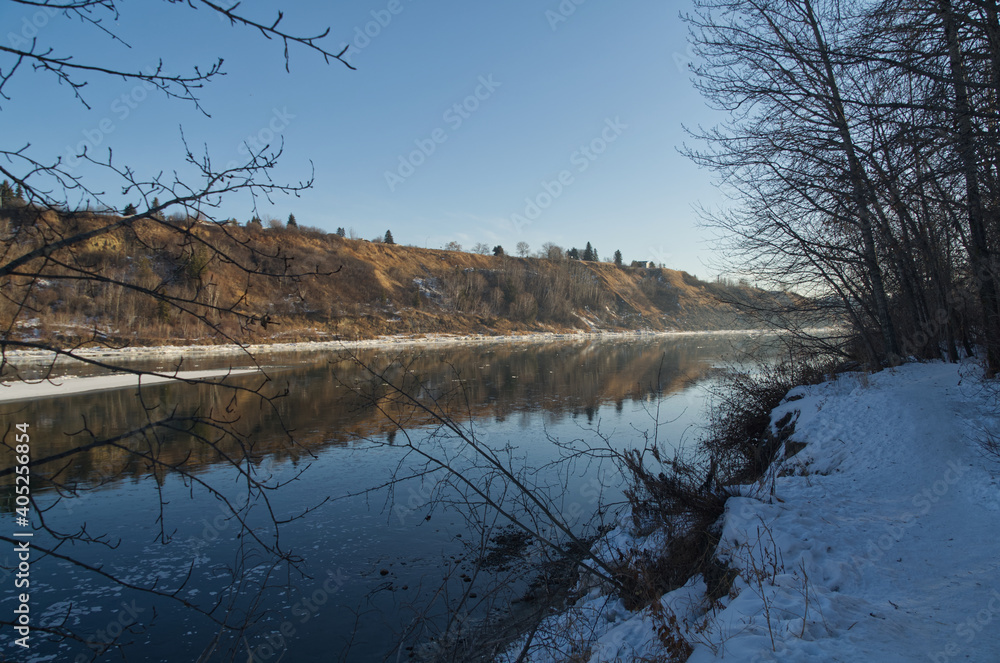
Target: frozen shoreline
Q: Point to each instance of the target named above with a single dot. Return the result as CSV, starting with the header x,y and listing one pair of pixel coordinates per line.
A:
x,y
387,342
19,391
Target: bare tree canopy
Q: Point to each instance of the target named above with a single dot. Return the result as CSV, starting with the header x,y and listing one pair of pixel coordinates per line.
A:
x,y
46,235
861,153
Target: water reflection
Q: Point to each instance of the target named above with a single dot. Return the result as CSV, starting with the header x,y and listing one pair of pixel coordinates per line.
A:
x,y
521,393
332,400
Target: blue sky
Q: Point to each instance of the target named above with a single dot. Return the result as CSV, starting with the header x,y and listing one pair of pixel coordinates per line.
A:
x,y
474,122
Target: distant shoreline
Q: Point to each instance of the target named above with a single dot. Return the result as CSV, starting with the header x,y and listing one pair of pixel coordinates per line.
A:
x,y
430,340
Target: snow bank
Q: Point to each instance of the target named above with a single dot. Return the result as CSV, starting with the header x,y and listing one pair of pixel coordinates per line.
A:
x,y
19,391
879,543
382,342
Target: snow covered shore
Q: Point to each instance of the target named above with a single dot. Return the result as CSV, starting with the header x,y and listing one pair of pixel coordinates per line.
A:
x,y
879,541
382,342
30,390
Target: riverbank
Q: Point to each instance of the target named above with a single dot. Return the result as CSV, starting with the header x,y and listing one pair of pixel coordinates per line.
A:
x,y
347,289
874,542
33,389
386,342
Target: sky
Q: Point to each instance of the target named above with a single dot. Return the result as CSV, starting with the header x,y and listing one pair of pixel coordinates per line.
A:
x,y
496,123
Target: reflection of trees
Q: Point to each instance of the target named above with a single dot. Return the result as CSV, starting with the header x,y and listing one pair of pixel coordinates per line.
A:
x,y
328,400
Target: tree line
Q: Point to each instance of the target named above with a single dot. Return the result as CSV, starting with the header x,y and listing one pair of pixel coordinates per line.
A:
x,y
862,144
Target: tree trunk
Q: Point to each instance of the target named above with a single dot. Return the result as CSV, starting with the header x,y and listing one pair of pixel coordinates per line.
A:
x,y
979,252
859,192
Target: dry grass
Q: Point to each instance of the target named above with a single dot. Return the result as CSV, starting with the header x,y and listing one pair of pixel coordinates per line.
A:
x,y
374,293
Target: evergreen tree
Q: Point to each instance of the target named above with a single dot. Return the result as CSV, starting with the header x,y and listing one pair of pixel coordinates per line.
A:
x,y
388,237
498,250
573,253
292,223
255,222
618,258
588,253
129,210
6,194
19,194
341,232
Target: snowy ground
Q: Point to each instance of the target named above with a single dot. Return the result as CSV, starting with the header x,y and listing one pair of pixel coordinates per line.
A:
x,y
881,541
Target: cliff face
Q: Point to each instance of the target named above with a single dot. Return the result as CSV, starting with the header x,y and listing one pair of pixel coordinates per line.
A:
x,y
357,289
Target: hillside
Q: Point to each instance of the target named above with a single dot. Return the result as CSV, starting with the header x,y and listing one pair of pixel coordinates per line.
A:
x,y
346,288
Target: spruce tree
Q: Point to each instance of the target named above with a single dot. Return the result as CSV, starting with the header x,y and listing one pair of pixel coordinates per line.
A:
x,y
588,253
618,258
292,223
129,210
6,194
388,237
341,232
498,250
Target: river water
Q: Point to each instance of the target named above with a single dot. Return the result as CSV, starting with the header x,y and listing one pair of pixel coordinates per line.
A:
x,y
381,572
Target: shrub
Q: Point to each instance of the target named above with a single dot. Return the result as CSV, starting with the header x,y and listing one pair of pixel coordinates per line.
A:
x,y
683,502
684,498
739,436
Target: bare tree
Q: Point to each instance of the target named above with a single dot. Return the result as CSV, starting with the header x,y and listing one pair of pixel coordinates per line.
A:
x,y
46,240
849,188
551,251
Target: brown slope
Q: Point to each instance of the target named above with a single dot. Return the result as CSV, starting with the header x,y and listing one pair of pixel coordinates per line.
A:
x,y
379,289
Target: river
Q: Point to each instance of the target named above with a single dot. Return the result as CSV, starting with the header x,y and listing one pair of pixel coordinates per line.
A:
x,y
380,573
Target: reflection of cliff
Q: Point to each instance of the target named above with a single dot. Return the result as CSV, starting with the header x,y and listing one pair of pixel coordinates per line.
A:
x,y
332,401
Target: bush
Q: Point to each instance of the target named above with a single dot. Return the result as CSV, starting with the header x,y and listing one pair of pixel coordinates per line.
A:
x,y
739,438
684,503
684,498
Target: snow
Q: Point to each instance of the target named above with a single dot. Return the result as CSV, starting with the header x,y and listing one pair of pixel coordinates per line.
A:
x,y
19,391
878,543
395,341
